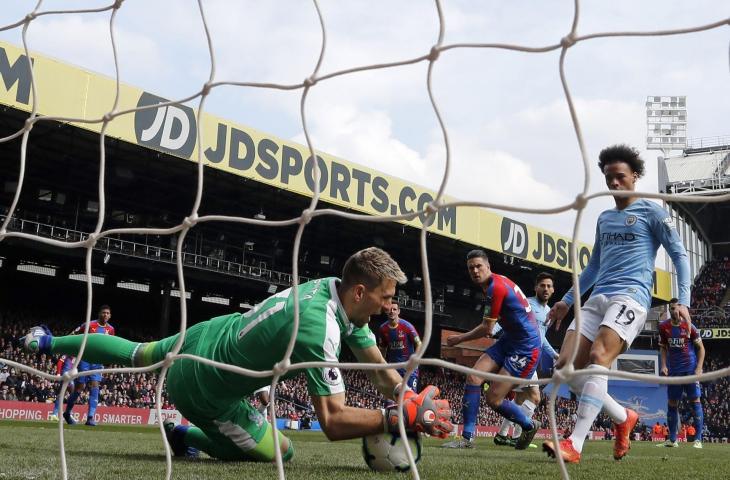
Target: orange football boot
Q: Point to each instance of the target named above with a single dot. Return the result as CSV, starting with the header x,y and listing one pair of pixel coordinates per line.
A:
x,y
569,454
622,434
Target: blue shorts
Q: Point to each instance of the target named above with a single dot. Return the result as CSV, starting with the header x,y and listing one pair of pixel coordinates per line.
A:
x,y
674,392
85,366
519,359
412,381
67,365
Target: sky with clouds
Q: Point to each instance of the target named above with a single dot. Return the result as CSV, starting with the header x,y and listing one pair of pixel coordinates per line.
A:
x,y
511,134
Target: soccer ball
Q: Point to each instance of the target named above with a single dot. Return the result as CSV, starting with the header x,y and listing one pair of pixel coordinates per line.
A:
x,y
386,452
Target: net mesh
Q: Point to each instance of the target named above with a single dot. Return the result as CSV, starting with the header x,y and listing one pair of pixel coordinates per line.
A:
x,y
431,55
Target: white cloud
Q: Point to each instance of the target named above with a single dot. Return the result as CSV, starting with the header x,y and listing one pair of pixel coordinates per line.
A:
x,y
479,173
363,137
85,41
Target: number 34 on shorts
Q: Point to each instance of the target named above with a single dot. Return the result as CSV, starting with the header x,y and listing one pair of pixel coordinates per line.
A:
x,y
518,362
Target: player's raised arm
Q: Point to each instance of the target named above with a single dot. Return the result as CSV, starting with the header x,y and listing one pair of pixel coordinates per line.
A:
x,y
665,230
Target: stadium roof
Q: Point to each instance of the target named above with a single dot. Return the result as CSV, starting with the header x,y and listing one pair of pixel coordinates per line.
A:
x,y
694,167
701,171
280,170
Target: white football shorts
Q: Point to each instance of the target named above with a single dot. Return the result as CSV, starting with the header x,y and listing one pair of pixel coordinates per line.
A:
x,y
620,313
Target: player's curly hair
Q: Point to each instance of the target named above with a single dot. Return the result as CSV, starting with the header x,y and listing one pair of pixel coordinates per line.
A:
x,y
370,267
622,153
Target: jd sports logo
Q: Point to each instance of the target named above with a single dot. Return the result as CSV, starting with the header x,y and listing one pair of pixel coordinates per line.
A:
x,y
16,74
514,238
171,128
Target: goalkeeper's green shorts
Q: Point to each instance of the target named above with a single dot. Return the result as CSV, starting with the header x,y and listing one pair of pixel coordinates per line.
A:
x,y
236,430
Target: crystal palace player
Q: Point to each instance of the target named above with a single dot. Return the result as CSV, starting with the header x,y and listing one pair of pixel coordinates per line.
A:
x,y
101,326
63,365
398,339
528,396
678,358
516,353
620,272
331,311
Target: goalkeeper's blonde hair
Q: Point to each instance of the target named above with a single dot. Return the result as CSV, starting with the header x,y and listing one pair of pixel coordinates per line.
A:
x,y
370,267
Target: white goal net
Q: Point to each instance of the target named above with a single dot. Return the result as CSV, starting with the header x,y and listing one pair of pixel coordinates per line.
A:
x,y
429,56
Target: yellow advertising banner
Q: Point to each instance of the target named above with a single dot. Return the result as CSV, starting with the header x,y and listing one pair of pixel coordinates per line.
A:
x,y
715,333
70,92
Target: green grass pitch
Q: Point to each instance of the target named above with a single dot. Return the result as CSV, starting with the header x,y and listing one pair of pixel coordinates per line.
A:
x,y
29,450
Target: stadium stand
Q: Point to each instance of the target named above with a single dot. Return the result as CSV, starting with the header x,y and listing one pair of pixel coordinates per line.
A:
x,y
710,305
233,264
293,402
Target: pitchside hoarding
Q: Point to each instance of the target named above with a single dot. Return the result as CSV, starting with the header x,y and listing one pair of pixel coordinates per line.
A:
x,y
107,415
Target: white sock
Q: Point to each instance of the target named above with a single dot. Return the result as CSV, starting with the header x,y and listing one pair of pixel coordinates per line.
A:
x,y
589,405
504,429
612,408
576,384
529,409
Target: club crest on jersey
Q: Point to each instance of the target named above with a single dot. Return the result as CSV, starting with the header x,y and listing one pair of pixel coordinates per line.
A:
x,y
630,220
332,376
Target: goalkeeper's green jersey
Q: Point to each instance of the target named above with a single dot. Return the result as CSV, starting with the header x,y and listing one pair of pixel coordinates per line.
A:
x,y
257,339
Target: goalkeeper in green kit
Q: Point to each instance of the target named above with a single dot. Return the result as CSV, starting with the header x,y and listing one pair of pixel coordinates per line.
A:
x,y
331,311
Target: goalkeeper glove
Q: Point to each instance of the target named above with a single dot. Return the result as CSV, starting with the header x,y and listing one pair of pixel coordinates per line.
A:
x,y
422,413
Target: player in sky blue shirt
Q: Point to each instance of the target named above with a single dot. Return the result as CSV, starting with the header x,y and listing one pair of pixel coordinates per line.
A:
x,y
540,310
516,353
678,341
620,272
622,261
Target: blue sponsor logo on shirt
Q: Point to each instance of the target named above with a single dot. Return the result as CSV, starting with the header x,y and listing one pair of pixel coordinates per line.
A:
x,y
617,237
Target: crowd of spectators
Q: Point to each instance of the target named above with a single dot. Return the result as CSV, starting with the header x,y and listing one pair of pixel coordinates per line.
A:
x,y
715,400
708,292
137,390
